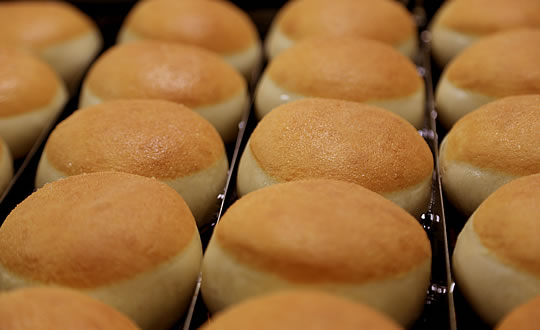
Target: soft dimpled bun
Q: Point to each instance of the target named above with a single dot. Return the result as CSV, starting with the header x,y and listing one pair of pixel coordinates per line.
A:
x,y
55,31
124,239
505,64
184,74
489,147
216,25
524,317
382,20
319,234
31,95
323,138
460,23
49,308
299,309
6,166
497,255
345,68
152,138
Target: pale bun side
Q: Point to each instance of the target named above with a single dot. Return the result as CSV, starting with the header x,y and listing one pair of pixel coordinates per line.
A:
x,y
21,132
478,271
300,309
446,43
270,95
6,166
524,317
414,199
454,102
57,308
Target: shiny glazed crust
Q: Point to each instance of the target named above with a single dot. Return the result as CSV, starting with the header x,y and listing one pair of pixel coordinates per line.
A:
x,y
300,309
54,308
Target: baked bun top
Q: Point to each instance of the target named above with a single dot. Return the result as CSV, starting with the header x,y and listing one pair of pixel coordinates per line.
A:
x,y
95,229
153,138
503,135
215,25
323,138
40,24
163,70
322,230
345,68
383,20
500,65
51,308
300,309
505,223
523,317
23,75
481,17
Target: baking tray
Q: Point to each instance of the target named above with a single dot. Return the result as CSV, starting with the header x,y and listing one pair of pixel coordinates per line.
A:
x,y
438,311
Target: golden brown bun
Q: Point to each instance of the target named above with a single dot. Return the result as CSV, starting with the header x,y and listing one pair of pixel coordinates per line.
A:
x,y
323,234
489,147
56,31
487,71
127,240
299,309
218,26
175,72
31,95
346,68
323,138
382,20
523,317
498,248
460,23
152,138
6,166
50,308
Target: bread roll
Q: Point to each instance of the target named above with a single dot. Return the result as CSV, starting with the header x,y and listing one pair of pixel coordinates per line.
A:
x,y
319,234
56,31
497,255
523,317
489,147
382,20
460,23
31,96
344,68
322,138
152,138
6,166
299,309
501,65
51,308
124,239
180,73
218,26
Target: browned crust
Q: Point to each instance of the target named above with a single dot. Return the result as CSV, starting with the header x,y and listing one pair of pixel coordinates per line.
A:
x,y
507,221
322,230
501,65
383,20
40,24
481,17
345,68
26,82
523,317
216,25
292,310
503,135
50,308
322,138
159,70
91,230
152,138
